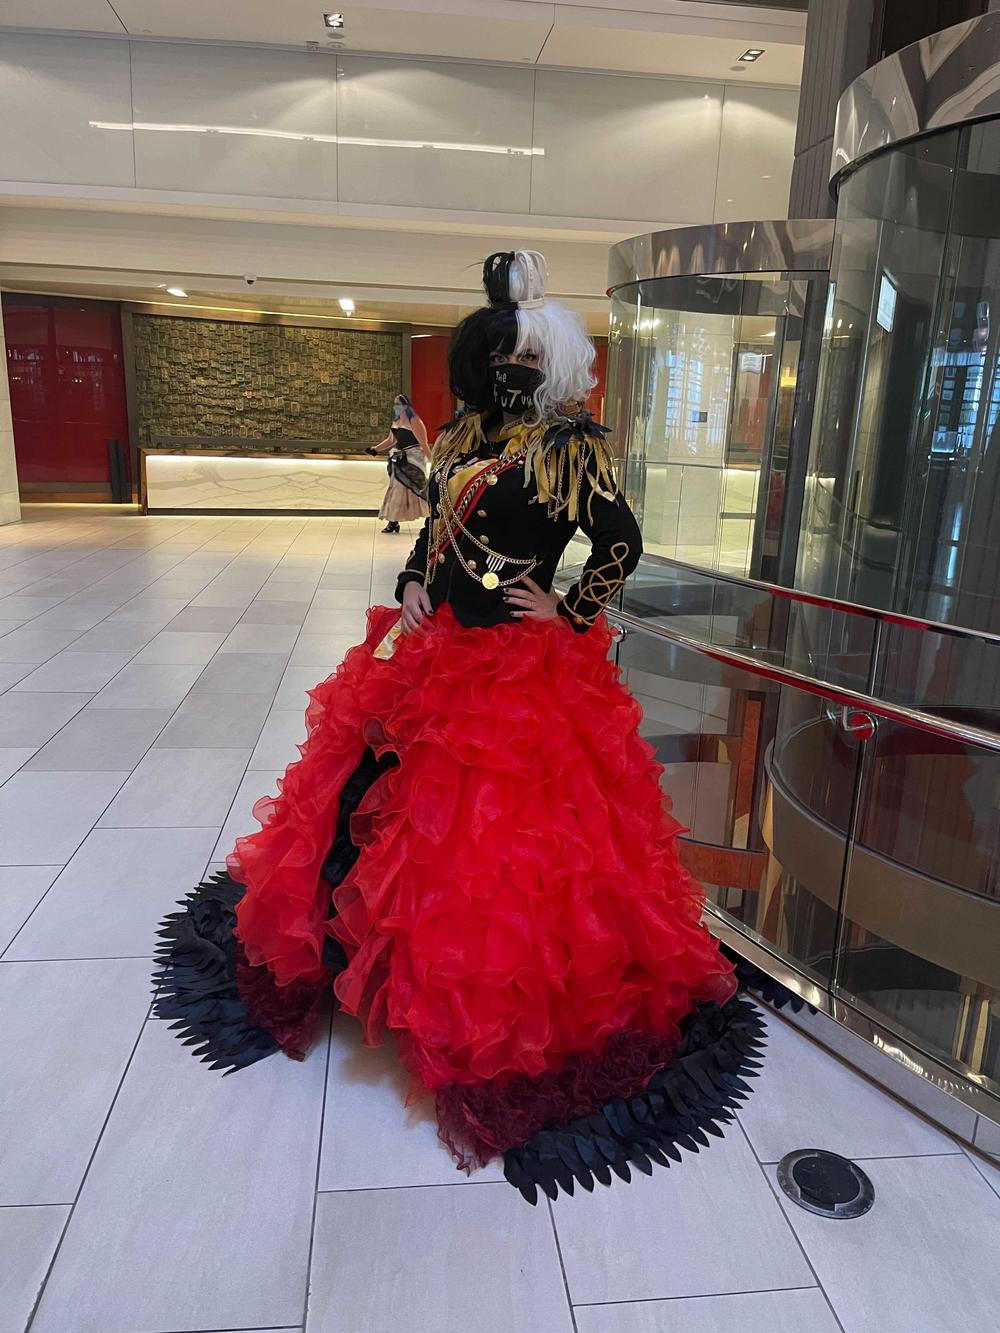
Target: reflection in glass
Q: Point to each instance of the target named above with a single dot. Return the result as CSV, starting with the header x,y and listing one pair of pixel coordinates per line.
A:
x,y
904,475
921,940
871,865
734,746
704,374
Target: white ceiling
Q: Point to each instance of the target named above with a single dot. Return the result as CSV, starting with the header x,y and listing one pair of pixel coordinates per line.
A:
x,y
670,37
213,303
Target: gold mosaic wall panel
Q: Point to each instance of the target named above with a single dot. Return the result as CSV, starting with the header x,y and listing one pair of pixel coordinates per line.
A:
x,y
213,378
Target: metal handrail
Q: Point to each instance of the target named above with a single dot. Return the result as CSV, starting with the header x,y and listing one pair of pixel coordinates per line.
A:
x,y
830,603
854,700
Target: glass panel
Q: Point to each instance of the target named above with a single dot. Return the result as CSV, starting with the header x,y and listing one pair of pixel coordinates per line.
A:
x,y
767,836
702,394
904,475
824,643
921,945
704,376
949,571
940,671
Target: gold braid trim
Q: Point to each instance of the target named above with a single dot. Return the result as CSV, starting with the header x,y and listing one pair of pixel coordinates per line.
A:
x,y
600,584
559,471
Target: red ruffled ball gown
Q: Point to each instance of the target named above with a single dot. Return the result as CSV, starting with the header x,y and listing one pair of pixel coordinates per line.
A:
x,y
474,855
474,852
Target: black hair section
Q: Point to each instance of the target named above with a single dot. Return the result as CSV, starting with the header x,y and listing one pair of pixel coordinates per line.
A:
x,y
496,278
474,341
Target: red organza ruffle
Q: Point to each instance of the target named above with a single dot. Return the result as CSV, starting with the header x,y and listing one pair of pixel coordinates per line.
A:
x,y
518,897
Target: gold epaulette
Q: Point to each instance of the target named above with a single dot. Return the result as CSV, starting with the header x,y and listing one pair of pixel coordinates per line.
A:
x,y
561,467
560,456
459,438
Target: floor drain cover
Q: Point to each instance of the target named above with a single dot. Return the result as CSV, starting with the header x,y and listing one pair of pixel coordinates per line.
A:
x,y
823,1183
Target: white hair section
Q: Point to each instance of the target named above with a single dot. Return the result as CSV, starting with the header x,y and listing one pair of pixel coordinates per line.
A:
x,y
567,355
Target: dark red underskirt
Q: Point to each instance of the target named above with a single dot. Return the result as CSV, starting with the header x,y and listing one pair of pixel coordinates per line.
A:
x,y
479,1122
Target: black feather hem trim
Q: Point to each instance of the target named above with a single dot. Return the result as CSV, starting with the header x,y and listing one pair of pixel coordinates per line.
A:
x,y
196,979
693,1097
753,978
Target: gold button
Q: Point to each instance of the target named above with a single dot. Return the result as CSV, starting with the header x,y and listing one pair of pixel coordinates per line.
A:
x,y
578,620
440,559
491,580
484,539
473,565
491,481
480,513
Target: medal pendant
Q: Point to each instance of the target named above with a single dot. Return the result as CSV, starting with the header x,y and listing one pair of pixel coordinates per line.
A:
x,y
491,580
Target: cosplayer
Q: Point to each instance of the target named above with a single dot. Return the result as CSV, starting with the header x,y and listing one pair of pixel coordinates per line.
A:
x,y
406,494
473,851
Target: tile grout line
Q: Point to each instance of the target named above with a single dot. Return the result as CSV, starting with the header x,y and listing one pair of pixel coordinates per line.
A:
x,y
96,958
86,1173
427,1185
889,1157
90,830
562,1265
699,1296
319,1162
980,1158
788,1223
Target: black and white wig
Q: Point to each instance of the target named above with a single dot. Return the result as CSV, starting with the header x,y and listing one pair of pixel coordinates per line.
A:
x,y
520,318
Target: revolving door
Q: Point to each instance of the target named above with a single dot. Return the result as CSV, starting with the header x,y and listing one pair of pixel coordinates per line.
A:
x,y
715,336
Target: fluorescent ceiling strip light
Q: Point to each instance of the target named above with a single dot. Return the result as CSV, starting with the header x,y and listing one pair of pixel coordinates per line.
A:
x,y
503,150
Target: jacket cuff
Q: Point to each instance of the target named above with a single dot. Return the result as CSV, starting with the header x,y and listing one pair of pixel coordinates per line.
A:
x,y
407,576
579,624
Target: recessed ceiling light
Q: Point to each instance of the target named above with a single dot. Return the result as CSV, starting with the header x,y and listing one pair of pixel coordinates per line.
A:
x,y
754,53
176,291
333,20
347,305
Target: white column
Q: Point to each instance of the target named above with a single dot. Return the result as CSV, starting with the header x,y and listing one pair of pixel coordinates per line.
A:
x,y
10,508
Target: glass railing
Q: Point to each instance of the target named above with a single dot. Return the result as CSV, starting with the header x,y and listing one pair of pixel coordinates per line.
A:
x,y
945,670
838,770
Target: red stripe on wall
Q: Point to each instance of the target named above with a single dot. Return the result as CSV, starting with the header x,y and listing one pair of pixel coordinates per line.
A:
x,y
67,386
429,380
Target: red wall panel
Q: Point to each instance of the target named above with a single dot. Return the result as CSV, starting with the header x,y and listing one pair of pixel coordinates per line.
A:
x,y
429,380
67,386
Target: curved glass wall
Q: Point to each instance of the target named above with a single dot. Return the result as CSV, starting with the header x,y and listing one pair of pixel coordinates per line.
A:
x,y
841,814
902,507
704,391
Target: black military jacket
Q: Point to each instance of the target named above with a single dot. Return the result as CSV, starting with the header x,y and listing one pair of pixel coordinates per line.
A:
x,y
506,516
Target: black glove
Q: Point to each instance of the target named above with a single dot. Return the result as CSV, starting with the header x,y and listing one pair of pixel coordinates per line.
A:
x,y
372,450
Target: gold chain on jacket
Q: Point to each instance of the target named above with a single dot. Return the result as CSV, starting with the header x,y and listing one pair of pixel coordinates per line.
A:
x,y
451,525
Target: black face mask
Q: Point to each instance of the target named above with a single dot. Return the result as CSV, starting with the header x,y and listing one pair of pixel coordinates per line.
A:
x,y
514,387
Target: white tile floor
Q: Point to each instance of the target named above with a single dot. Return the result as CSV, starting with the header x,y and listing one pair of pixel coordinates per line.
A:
x,y
151,687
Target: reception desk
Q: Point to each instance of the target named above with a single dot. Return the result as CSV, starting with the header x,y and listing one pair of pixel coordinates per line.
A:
x,y
242,480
